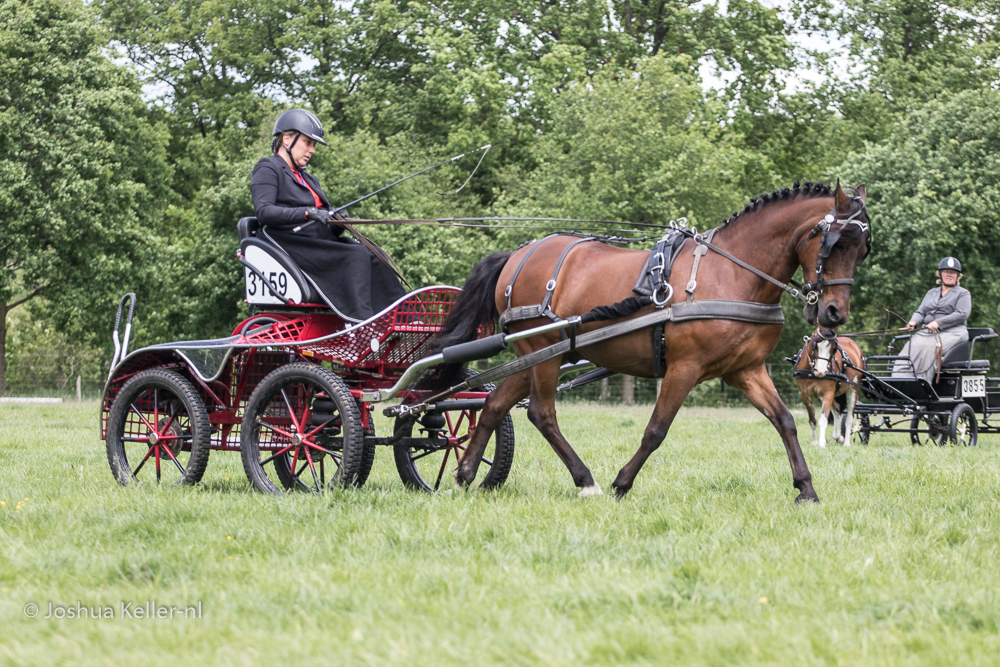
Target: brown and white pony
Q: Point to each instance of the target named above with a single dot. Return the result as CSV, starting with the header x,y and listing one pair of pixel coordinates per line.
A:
x,y
775,234
825,353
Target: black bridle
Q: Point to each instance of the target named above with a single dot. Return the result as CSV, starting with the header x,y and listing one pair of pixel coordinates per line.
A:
x,y
829,236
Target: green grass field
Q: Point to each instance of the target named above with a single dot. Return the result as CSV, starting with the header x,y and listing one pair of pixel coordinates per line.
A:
x,y
708,561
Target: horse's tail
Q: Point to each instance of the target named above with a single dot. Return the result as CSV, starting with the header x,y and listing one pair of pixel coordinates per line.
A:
x,y
476,308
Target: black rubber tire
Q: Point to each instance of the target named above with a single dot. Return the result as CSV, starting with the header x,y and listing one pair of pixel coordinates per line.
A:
x,y
865,431
307,380
183,417
917,438
493,470
963,429
368,457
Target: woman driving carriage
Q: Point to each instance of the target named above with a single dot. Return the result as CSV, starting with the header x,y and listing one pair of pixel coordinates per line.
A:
x,y
943,312
349,277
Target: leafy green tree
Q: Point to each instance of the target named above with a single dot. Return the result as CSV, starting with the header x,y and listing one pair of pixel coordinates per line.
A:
x,y
643,146
82,171
933,190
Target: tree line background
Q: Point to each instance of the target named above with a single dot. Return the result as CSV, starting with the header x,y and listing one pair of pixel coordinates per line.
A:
x,y
129,128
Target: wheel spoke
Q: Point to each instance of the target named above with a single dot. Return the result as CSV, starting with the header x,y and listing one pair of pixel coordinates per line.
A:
x,y
173,415
157,447
275,455
174,459
321,427
135,439
426,453
148,425
156,409
291,412
312,469
275,429
143,461
437,483
306,410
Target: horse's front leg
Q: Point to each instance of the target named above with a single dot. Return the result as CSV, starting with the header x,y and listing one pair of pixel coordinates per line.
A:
x,y
542,414
677,384
756,385
498,404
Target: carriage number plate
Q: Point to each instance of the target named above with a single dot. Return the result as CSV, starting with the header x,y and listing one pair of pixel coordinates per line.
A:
x,y
973,385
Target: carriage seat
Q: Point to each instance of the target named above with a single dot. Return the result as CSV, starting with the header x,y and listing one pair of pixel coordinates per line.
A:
x,y
959,358
273,263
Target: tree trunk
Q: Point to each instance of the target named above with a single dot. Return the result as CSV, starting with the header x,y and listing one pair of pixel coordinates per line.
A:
x,y
3,346
628,390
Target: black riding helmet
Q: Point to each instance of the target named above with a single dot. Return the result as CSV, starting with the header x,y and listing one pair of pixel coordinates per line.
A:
x,y
301,122
951,264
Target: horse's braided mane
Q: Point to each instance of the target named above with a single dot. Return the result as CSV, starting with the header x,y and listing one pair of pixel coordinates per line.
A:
x,y
807,189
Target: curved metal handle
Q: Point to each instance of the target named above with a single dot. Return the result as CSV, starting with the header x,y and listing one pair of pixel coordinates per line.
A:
x,y
121,347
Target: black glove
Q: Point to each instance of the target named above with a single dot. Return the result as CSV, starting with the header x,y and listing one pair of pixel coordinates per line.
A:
x,y
318,214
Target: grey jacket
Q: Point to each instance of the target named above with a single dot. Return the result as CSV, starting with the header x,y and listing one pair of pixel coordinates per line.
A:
x,y
950,311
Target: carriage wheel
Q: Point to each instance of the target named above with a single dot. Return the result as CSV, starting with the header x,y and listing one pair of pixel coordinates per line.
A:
x,y
934,433
368,457
301,430
158,430
427,466
865,430
963,428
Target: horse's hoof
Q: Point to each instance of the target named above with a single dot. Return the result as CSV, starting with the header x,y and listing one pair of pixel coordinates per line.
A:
x,y
592,490
807,498
620,492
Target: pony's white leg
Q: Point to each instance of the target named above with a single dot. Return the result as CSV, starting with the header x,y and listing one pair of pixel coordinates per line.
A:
x,y
822,427
837,423
592,490
852,398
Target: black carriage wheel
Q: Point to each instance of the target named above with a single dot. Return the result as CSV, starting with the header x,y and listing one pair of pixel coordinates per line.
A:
x,y
865,430
963,429
368,457
430,467
931,432
158,430
301,430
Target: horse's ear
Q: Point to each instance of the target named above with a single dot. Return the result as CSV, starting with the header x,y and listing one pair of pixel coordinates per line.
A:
x,y
842,203
861,192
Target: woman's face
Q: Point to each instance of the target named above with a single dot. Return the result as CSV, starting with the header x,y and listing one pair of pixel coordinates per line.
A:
x,y
949,277
302,150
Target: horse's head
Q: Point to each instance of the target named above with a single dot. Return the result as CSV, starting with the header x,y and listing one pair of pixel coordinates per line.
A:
x,y
824,345
830,254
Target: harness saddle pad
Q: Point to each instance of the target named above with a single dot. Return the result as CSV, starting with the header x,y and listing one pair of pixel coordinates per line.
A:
x,y
661,257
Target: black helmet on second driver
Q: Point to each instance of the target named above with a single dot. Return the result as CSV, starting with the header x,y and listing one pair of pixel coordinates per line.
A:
x,y
301,121
951,264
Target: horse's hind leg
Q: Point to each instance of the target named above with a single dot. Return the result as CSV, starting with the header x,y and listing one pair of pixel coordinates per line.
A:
x,y
852,399
756,385
498,404
542,414
677,383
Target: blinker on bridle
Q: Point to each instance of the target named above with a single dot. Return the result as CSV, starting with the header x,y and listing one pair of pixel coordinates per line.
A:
x,y
829,238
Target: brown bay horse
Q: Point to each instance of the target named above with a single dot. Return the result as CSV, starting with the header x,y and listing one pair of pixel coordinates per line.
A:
x,y
775,234
826,353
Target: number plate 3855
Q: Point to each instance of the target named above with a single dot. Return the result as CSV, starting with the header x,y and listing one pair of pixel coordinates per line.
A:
x,y
973,385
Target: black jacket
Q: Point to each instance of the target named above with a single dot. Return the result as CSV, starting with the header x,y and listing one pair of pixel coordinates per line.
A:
x,y
351,280
279,200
